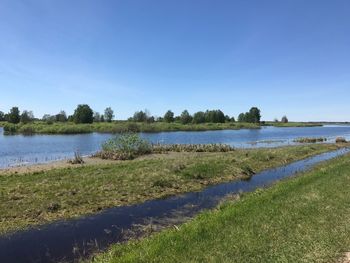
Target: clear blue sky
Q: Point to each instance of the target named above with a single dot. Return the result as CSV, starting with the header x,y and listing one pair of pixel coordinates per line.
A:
x,y
286,57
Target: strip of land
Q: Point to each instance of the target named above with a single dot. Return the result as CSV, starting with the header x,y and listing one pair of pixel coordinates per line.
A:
x,y
303,219
40,127
41,196
118,127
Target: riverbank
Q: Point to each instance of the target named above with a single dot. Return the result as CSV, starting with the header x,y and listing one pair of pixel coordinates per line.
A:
x,y
303,219
294,124
38,197
118,127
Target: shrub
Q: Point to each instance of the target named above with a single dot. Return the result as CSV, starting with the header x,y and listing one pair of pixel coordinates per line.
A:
x,y
125,147
310,140
340,140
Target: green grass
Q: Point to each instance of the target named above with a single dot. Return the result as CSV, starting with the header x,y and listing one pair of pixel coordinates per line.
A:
x,y
40,197
119,126
303,219
293,124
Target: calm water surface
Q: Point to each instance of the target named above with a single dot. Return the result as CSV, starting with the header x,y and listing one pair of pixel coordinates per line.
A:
x,y
24,150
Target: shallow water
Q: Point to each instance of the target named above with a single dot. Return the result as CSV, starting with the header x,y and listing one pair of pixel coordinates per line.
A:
x,y
23,150
69,240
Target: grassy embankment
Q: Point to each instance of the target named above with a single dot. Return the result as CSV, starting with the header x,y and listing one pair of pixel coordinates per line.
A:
x,y
43,196
303,219
119,126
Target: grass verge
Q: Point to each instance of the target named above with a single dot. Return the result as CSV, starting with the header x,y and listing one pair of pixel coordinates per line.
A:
x,y
304,219
43,196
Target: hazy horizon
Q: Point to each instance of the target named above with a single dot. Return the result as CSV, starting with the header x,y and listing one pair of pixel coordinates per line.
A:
x,y
285,57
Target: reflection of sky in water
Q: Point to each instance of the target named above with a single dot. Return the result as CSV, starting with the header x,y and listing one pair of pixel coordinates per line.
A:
x,y
21,149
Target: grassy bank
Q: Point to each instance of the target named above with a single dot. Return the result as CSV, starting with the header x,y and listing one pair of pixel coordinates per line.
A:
x,y
304,219
40,197
294,124
119,126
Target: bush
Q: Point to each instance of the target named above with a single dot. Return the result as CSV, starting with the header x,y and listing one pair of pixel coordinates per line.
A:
x,y
125,147
310,140
340,140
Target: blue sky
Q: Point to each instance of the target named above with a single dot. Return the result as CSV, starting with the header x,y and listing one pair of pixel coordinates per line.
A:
x,y
286,57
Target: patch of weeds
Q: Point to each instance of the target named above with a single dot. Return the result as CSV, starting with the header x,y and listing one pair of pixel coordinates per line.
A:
x,y
78,159
163,183
53,207
203,170
247,172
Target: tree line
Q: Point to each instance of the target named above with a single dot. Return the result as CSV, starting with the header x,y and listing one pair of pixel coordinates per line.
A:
x,y
84,114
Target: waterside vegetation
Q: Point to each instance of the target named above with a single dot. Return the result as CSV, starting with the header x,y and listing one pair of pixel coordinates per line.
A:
x,y
28,199
303,219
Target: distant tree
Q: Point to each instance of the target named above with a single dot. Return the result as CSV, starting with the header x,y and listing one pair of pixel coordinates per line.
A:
x,y
214,116
109,114
102,119
199,117
233,119
185,117
150,119
140,116
14,115
70,118
254,115
275,120
48,118
169,116
242,117
27,116
97,117
284,119
61,116
2,116
83,114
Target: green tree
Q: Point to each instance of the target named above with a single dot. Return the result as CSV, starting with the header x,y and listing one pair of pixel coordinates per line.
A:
x,y
14,115
2,116
140,116
214,116
169,116
242,117
185,117
27,116
284,119
83,114
199,117
108,116
97,117
254,115
61,116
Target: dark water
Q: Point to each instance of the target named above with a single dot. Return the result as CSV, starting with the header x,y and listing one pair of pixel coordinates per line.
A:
x,y
69,240
23,150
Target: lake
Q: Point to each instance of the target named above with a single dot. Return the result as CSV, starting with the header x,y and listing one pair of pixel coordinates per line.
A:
x,y
24,150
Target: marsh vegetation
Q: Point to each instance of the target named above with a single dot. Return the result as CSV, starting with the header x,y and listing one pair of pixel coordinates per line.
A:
x,y
27,199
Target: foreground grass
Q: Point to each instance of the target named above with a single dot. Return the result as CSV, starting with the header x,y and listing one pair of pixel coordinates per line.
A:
x,y
304,219
40,197
119,126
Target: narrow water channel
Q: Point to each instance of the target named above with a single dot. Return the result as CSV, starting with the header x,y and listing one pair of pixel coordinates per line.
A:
x,y
69,240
